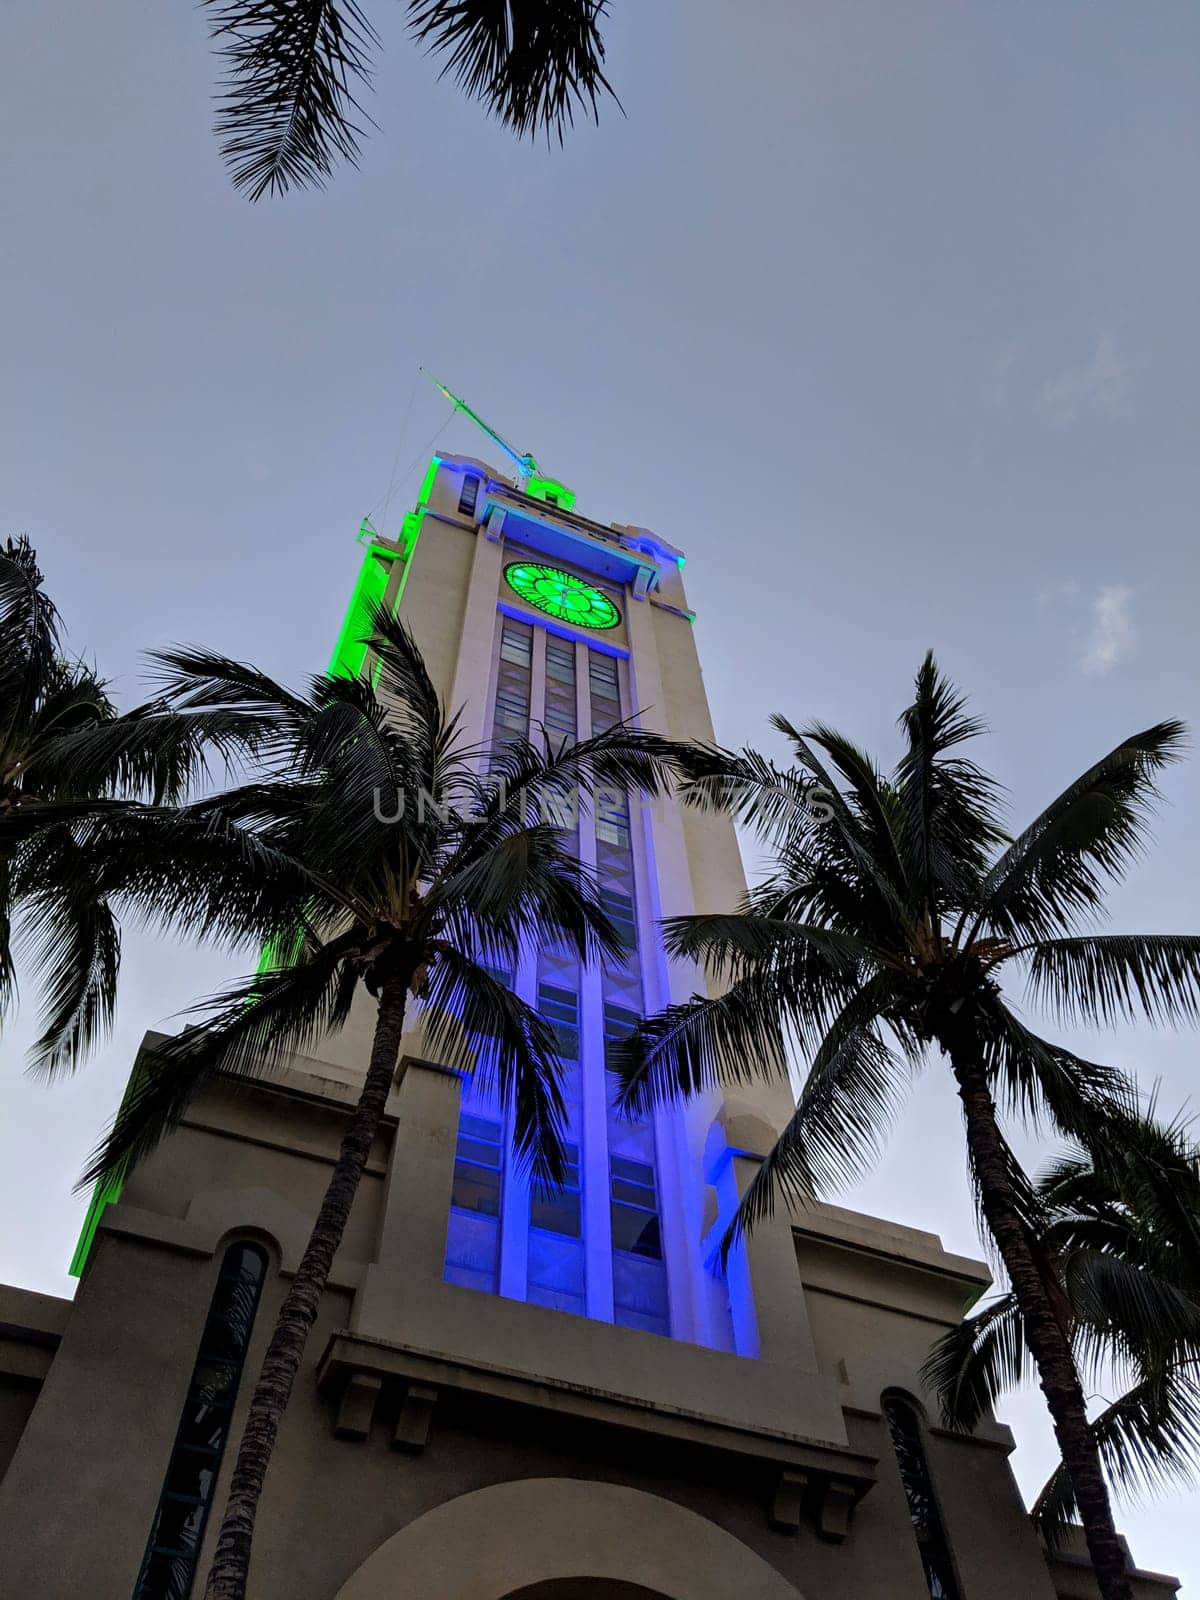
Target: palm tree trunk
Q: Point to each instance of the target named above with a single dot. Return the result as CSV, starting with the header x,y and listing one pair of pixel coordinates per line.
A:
x,y
1048,1341
230,1568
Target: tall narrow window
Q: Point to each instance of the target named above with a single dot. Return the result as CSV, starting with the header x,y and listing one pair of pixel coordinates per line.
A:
x,y
922,1502
604,691
556,1261
510,718
639,1276
473,1234
560,715
173,1548
468,495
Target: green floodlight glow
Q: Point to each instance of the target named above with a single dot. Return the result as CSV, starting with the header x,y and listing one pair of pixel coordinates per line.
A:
x,y
103,1196
347,662
427,486
351,648
550,490
562,595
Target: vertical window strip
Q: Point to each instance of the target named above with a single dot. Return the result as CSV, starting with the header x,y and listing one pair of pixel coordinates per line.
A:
x,y
473,1234
604,689
557,1264
514,677
559,714
468,495
173,1548
922,1501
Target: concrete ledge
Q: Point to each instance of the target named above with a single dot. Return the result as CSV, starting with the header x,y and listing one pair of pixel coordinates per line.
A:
x,y
828,1478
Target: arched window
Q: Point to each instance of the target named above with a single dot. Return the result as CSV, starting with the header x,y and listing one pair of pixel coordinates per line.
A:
x,y
922,1503
173,1548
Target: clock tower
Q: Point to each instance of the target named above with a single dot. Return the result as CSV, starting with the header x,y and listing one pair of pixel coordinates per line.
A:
x,y
513,1393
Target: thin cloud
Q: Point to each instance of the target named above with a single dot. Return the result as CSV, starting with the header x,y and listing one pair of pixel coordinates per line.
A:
x,y
1099,387
1112,635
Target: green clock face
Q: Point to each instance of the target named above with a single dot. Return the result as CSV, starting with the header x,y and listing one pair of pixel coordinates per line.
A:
x,y
562,595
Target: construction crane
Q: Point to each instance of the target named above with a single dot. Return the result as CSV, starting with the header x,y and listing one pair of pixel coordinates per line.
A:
x,y
525,464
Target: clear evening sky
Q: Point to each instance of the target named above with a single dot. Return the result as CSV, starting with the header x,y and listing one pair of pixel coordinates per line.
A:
x,y
885,313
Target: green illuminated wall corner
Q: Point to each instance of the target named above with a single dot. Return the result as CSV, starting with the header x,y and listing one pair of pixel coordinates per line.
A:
x,y
374,576
351,648
349,653
103,1195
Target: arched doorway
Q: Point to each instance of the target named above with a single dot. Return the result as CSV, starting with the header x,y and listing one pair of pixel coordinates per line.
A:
x,y
564,1539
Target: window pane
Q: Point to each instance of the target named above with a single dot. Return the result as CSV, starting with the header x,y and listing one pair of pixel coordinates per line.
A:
x,y
640,1294
476,1189
556,1212
636,1231
516,643
635,1171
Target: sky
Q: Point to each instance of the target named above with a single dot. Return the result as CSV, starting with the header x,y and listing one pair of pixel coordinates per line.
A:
x,y
885,314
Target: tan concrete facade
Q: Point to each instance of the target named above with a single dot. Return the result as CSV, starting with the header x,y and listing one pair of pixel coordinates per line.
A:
x,y
449,1444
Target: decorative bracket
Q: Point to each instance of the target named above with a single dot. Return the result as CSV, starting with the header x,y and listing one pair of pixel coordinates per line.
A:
x,y
789,1498
416,1414
641,583
834,1508
493,527
357,1407
832,1499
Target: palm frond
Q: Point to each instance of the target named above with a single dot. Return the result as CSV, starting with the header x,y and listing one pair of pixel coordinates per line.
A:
x,y
532,63
840,851
74,946
689,1048
196,871
1035,1078
1114,978
1138,1310
404,682
948,824
1056,869
730,943
1149,1440
148,753
286,111
29,636
851,1096
250,1028
621,761
527,885
875,806
471,1013
193,679
771,800
976,1362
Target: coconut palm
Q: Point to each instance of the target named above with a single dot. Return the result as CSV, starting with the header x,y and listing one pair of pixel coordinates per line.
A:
x,y
368,848
895,907
1121,1227
288,109
65,754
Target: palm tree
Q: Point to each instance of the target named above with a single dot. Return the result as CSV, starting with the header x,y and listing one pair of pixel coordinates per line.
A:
x,y
894,906
288,109
65,754
432,907
1121,1227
